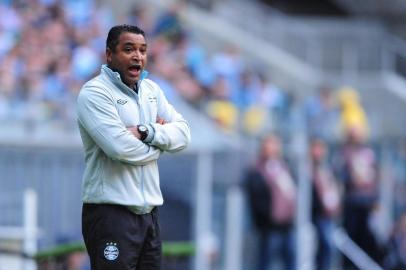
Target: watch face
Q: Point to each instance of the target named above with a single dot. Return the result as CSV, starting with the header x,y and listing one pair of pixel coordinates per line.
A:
x,y
142,129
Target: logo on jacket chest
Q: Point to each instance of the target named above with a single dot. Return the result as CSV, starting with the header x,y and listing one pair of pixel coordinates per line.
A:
x,y
152,99
121,101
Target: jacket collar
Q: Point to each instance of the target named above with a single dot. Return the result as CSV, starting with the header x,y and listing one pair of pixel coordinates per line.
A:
x,y
116,78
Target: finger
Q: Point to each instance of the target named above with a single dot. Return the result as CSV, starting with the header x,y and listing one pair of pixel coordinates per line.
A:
x,y
160,121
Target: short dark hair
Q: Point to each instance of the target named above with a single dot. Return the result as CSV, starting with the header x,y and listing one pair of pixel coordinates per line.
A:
x,y
115,32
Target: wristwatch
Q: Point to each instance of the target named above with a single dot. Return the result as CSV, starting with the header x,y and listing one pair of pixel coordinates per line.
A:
x,y
143,130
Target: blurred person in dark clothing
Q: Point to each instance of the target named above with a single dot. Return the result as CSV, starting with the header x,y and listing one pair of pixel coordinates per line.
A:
x,y
358,170
272,199
325,200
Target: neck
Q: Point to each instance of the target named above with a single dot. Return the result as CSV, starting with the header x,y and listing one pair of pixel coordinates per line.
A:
x,y
133,87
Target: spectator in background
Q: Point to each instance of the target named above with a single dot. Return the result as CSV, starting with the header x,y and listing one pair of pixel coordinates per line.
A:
x,y
266,106
196,60
359,172
326,202
352,113
140,15
272,199
169,24
247,93
229,64
255,115
220,108
10,27
321,115
170,70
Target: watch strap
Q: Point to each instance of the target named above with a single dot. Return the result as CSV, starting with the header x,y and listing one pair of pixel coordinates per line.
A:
x,y
151,133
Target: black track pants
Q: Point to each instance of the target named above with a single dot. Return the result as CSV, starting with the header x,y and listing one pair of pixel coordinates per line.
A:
x,y
116,238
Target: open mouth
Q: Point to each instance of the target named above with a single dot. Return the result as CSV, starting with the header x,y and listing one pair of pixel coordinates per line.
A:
x,y
135,69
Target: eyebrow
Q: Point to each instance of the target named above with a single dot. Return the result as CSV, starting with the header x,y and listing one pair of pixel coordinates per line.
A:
x,y
132,44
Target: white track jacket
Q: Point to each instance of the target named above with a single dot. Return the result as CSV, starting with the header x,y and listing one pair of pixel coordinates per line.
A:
x,y
121,169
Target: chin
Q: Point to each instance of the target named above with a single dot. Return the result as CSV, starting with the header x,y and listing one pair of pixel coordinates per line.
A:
x,y
129,84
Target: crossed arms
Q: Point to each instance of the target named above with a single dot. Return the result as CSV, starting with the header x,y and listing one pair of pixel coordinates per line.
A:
x,y
99,118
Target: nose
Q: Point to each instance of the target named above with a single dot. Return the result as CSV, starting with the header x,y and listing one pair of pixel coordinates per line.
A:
x,y
136,55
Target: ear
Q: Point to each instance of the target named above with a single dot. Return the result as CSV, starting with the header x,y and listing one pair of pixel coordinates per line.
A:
x,y
109,54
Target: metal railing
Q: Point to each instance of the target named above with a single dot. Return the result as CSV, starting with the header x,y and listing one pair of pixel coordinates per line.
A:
x,y
20,241
353,252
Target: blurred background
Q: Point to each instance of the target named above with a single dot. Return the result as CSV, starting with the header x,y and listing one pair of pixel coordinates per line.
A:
x,y
324,82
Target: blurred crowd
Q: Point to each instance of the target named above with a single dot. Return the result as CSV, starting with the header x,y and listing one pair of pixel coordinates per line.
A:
x,y
49,48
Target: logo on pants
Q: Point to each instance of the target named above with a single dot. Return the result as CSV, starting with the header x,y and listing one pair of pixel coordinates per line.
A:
x,y
111,251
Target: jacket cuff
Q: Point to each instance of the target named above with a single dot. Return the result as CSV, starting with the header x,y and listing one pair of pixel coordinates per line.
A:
x,y
151,134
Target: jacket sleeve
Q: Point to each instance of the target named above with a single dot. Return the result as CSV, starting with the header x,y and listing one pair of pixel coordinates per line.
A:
x,y
175,134
98,116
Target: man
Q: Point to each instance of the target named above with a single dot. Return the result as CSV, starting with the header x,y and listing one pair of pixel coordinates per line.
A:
x,y
358,169
125,123
325,202
271,193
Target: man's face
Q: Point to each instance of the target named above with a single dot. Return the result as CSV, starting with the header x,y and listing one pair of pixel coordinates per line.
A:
x,y
318,150
129,57
271,148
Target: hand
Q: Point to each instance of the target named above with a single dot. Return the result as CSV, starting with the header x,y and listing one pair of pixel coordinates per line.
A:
x,y
160,121
134,131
